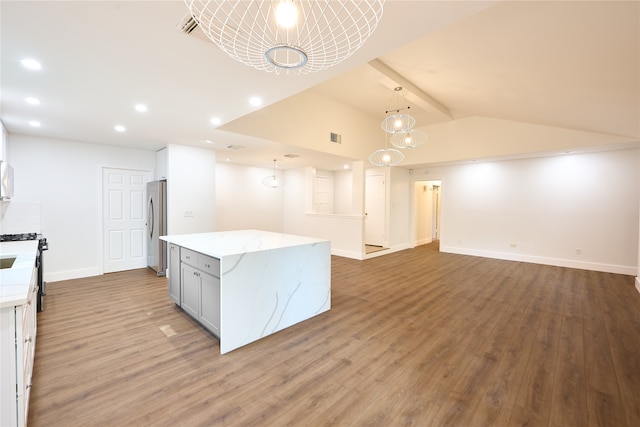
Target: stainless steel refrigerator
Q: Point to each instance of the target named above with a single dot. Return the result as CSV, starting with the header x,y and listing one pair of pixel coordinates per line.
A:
x,y
157,226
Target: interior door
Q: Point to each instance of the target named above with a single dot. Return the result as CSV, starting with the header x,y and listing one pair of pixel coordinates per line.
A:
x,y
124,213
374,206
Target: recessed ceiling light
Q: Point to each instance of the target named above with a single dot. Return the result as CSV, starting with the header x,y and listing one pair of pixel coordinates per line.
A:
x,y
215,121
31,100
140,108
255,101
208,141
31,64
120,128
346,166
228,159
34,123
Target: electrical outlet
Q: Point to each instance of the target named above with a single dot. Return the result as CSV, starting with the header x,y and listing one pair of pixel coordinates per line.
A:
x,y
188,213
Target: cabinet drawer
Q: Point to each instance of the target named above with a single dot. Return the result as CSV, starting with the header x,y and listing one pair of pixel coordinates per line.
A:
x,y
189,257
209,265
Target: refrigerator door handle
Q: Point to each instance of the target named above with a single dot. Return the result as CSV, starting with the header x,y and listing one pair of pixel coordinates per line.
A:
x,y
151,217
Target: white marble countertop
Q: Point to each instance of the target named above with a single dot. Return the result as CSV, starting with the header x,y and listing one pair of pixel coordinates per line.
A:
x,y
224,243
16,281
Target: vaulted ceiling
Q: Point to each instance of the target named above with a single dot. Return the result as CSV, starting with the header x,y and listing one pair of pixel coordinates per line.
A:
x,y
570,65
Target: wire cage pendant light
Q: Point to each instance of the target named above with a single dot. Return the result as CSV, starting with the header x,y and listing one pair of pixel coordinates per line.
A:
x,y
274,180
294,36
386,157
397,122
411,139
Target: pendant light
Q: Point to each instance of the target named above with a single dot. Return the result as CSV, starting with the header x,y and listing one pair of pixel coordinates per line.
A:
x,y
411,139
272,181
386,156
297,36
397,122
399,125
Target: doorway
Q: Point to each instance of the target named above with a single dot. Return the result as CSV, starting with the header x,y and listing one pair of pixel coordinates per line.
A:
x,y
124,212
375,208
427,211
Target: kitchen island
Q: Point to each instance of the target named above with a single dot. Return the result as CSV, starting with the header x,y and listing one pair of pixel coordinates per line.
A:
x,y
244,285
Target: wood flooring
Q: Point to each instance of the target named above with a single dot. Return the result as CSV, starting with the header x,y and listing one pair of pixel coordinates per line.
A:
x,y
416,337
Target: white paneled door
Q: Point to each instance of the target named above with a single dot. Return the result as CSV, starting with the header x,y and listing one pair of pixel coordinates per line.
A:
x,y
124,212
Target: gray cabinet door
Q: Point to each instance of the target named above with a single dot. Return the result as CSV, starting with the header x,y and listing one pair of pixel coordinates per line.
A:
x,y
174,273
210,303
190,290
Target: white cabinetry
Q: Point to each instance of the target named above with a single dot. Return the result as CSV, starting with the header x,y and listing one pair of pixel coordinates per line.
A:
x,y
161,164
200,288
209,308
174,273
17,349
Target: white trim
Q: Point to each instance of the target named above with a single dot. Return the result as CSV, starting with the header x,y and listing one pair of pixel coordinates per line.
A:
x,y
638,283
72,274
559,262
346,254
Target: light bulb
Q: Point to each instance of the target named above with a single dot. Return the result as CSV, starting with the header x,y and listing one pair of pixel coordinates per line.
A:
x,y
407,141
397,123
386,158
286,13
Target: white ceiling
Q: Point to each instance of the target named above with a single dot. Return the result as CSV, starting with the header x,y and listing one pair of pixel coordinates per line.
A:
x,y
571,64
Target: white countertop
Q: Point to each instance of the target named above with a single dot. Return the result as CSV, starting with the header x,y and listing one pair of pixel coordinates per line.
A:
x,y
15,281
224,243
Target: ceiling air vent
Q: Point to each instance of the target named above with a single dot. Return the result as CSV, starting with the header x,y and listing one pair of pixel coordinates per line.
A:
x,y
335,138
188,25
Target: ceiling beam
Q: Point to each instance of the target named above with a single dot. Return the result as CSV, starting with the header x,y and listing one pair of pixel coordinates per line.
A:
x,y
413,92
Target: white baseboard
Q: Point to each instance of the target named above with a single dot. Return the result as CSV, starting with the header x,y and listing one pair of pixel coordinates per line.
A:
x,y
71,274
559,262
422,242
347,254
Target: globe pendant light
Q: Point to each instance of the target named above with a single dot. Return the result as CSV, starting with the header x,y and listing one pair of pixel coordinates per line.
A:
x,y
411,139
297,36
272,181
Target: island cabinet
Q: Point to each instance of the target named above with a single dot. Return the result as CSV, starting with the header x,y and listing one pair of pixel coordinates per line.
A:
x,y
200,288
244,285
17,350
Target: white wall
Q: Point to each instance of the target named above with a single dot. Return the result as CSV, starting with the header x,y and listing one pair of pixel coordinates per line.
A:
x,y
343,192
543,210
638,265
344,231
191,189
400,193
3,143
243,202
66,178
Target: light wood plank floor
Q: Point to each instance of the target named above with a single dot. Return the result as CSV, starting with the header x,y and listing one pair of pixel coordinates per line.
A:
x,y
413,338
